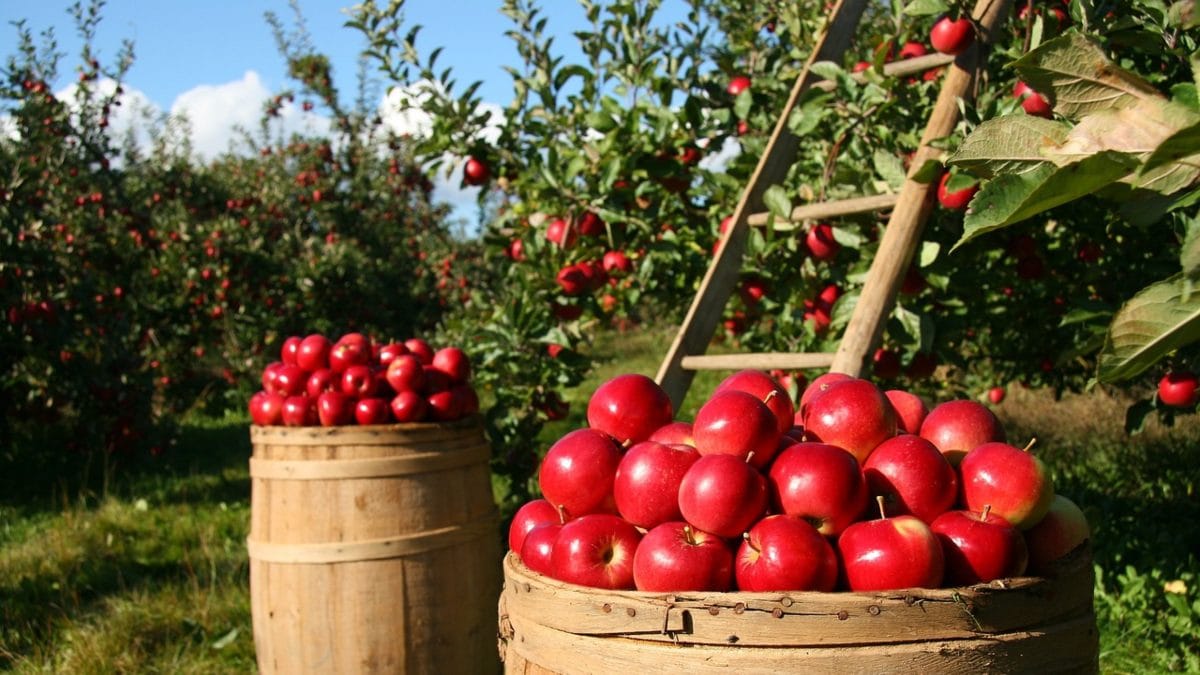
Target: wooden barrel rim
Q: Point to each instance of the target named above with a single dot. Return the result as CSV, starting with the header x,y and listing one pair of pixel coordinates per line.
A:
x,y
999,608
377,434
372,549
378,467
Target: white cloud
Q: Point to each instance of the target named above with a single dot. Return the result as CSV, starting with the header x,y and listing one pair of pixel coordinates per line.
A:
x,y
215,111
717,162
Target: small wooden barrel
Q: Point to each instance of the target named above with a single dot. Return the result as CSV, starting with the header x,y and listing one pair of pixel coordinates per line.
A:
x,y
1016,625
373,549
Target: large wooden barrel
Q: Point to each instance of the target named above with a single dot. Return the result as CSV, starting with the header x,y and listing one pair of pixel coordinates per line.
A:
x,y
373,549
1024,625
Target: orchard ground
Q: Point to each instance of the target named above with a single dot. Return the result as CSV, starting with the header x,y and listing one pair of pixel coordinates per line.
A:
x,y
149,573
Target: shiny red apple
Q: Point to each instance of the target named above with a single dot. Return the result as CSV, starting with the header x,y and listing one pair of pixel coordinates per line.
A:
x,y
820,483
785,553
674,557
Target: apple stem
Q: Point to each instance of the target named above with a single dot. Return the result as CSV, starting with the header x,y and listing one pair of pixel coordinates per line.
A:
x,y
770,395
749,456
562,514
688,535
879,500
987,508
746,537
1029,445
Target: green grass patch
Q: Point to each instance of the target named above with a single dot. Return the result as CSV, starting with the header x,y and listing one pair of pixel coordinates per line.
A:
x,y
149,574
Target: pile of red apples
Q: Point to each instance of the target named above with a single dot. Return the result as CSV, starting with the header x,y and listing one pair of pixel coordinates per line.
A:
x,y
357,380
854,489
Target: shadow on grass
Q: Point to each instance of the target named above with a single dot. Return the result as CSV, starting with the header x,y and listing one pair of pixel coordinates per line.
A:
x,y
207,463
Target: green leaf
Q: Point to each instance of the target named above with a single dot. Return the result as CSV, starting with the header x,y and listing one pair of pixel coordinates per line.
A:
x,y
777,202
743,103
602,122
889,167
1074,72
926,7
1011,198
1011,144
1158,320
1189,255
1174,148
929,253
930,171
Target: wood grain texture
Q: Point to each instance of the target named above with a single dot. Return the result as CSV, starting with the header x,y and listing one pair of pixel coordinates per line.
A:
x,y
373,549
715,288
906,224
760,361
1015,625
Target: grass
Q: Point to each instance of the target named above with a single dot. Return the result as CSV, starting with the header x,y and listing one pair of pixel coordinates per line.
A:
x,y
150,575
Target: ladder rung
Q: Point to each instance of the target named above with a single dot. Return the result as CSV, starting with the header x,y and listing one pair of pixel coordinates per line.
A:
x,y
760,361
833,209
917,64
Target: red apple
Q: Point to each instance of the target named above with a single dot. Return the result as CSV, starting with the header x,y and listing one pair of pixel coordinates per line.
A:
x,y
957,200
270,377
1061,530
911,50
590,225
979,547
996,395
1178,389
289,350
891,553
853,415
420,349
578,471
373,410
737,85
674,433
596,550
560,233
348,353
299,411
313,352
389,352
1013,482
952,36
674,557
821,243
818,386
537,549
444,406
290,380
646,485
434,380
616,263
359,381
785,553
629,408
454,362
533,513
321,380
405,373
266,408
469,400
766,389
571,280
722,494
409,406
736,423
910,410
1032,102
334,409
818,482
475,171
885,364
912,477
957,427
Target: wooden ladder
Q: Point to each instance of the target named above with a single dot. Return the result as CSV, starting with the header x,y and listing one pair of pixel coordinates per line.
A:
x,y
910,208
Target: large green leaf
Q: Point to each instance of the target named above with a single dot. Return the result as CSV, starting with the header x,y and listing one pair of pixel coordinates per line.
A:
x,y
1011,144
1159,319
1011,198
1080,78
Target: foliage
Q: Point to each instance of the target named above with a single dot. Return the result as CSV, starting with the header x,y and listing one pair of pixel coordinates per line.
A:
x,y
140,282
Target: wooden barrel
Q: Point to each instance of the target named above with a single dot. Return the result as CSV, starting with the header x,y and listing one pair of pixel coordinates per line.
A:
x,y
1020,625
373,549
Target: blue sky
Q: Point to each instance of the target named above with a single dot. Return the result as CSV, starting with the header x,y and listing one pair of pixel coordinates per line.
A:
x,y
180,44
